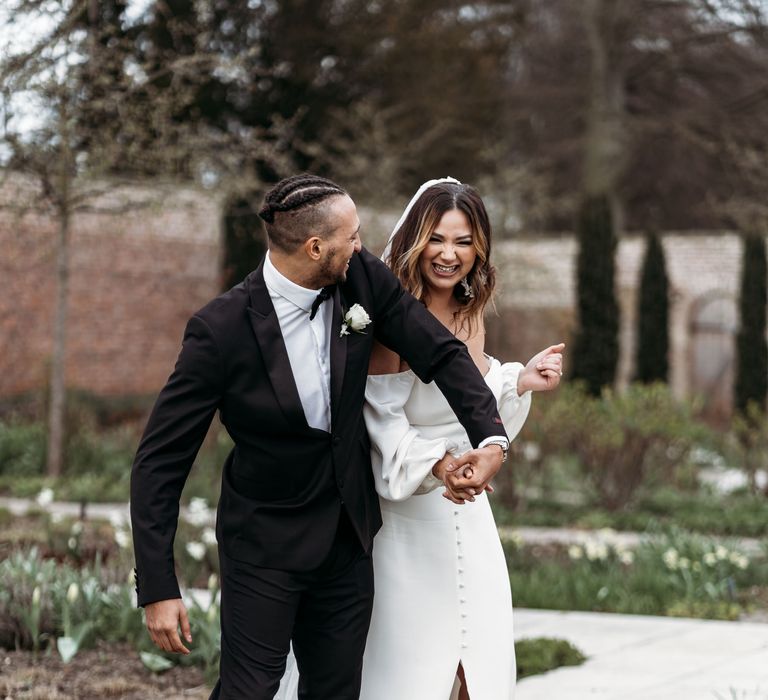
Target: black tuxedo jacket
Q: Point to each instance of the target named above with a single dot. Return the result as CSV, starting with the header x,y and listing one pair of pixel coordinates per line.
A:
x,y
284,482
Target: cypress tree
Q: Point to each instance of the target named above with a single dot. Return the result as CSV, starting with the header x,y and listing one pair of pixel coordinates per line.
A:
x,y
751,348
596,348
652,360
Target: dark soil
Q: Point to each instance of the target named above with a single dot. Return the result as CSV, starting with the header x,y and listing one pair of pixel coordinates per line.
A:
x,y
109,671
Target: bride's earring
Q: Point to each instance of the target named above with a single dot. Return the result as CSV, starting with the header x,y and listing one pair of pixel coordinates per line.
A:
x,y
468,291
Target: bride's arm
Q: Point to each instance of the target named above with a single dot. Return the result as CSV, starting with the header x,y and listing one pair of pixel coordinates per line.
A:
x,y
541,373
402,459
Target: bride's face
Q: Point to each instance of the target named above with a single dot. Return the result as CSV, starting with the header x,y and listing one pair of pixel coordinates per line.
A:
x,y
450,252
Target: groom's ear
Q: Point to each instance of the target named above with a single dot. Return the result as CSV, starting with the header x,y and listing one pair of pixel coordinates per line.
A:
x,y
313,247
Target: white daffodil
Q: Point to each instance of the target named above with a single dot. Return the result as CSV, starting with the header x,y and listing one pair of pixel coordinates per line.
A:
x,y
596,551
123,539
740,561
531,451
73,593
198,513
117,520
626,557
671,559
208,536
196,550
575,552
45,497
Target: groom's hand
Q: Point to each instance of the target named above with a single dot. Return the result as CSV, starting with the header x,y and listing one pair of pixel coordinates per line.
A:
x,y
440,471
163,620
473,471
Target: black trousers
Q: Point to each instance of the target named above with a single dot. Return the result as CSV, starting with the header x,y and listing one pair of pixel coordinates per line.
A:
x,y
325,612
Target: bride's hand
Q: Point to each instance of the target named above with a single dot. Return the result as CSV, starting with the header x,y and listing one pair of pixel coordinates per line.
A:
x,y
543,370
452,492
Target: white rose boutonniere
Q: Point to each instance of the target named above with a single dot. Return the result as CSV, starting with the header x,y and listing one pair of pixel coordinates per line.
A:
x,y
355,319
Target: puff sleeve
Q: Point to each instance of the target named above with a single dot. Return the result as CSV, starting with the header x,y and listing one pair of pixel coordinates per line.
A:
x,y
402,460
512,407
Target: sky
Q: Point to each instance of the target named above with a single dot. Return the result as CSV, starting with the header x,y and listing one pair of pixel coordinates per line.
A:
x,y
18,36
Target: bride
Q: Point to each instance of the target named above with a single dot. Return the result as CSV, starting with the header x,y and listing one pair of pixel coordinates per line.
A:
x,y
443,608
442,613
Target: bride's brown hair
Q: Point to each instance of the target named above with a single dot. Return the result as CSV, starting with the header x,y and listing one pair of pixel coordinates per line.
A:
x,y
412,238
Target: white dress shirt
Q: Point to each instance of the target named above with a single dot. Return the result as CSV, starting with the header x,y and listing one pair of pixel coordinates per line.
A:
x,y
308,342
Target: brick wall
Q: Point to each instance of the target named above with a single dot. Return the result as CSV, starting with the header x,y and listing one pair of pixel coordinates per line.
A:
x,y
142,260
538,298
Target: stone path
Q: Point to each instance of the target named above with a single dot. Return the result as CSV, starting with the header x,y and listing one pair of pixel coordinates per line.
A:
x,y
530,535
639,657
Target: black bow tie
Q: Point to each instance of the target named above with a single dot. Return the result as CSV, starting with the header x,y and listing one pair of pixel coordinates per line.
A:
x,y
325,293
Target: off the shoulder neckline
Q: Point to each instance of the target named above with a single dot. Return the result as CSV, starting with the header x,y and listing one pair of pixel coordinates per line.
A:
x,y
410,373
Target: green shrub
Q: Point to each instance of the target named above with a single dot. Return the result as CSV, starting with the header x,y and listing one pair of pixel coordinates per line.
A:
x,y
622,441
22,448
748,442
544,654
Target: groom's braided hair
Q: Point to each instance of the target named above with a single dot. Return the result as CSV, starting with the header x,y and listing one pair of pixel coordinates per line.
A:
x,y
294,209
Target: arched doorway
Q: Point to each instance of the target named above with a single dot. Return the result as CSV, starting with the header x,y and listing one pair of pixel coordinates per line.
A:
x,y
714,322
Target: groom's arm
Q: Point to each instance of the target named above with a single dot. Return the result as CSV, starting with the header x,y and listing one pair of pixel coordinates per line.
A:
x,y
176,428
403,324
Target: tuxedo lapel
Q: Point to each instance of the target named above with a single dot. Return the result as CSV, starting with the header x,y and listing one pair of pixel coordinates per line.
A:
x,y
266,328
338,352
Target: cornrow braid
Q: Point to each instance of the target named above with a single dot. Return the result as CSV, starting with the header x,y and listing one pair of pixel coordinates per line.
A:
x,y
297,200
296,192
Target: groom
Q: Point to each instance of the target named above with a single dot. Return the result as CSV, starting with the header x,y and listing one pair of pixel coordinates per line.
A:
x,y
283,357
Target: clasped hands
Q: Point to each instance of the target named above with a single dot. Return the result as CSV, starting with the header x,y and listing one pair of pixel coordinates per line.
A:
x,y
469,475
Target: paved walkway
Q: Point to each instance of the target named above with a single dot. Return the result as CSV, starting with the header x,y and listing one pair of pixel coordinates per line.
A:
x,y
639,657
531,535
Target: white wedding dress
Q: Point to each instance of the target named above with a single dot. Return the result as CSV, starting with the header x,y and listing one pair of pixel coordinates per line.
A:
x,y
442,594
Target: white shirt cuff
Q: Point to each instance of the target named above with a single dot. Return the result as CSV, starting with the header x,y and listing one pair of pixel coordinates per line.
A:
x,y
497,439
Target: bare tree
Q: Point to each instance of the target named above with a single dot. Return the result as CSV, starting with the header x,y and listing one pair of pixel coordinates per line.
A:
x,y
106,119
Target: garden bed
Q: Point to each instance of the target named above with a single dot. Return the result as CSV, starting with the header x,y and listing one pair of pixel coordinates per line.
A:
x,y
107,671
